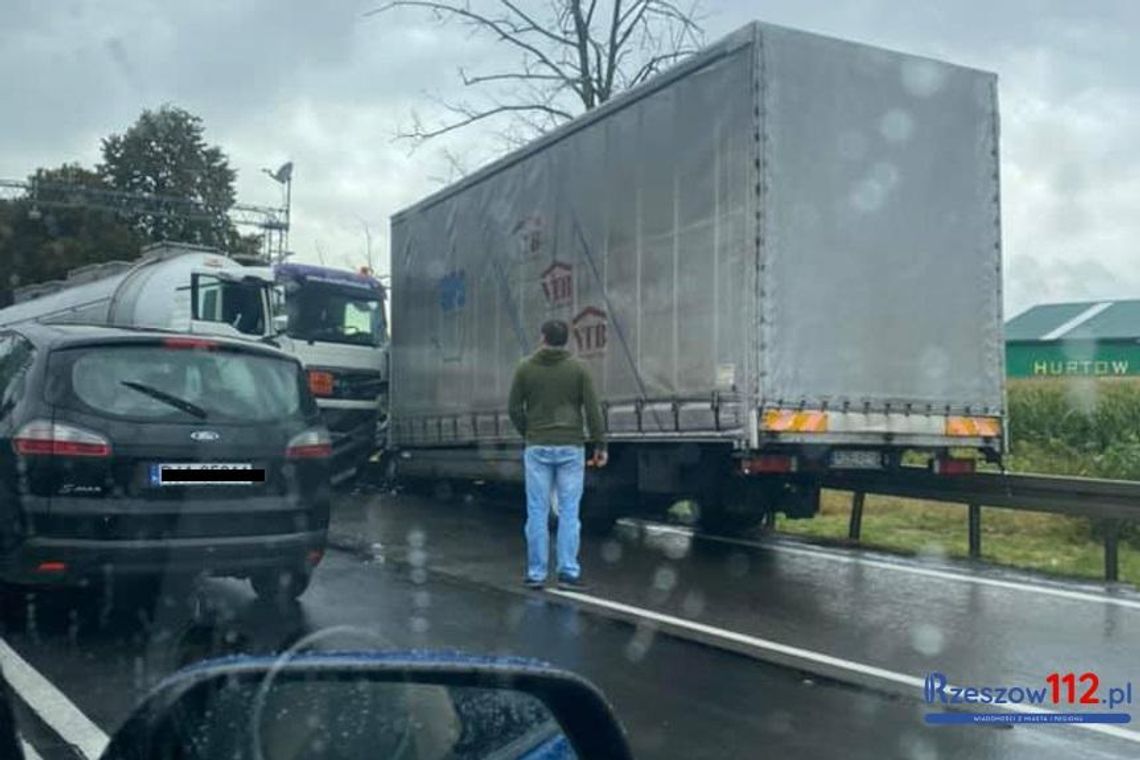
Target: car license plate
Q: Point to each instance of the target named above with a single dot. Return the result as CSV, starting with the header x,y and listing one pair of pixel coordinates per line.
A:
x,y
205,474
856,460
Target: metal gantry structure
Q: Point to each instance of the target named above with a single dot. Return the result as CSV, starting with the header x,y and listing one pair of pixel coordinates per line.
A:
x,y
273,222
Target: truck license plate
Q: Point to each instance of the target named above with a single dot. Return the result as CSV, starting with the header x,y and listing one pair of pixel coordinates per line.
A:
x,y
205,474
856,460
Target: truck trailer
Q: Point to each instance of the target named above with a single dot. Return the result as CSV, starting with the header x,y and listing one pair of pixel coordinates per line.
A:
x,y
780,258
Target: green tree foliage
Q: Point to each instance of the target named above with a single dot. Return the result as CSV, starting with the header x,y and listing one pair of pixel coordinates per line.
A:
x,y
165,153
44,243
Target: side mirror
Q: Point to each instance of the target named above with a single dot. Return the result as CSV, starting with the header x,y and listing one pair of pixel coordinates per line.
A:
x,y
280,323
365,705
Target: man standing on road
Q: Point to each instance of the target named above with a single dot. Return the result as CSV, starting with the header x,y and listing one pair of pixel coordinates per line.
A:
x,y
549,396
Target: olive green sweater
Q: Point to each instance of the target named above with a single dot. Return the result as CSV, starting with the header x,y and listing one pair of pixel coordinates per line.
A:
x,y
550,391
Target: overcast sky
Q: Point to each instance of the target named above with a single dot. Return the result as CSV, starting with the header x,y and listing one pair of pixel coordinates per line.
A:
x,y
319,84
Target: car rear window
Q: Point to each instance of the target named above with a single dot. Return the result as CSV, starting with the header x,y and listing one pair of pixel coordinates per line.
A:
x,y
158,382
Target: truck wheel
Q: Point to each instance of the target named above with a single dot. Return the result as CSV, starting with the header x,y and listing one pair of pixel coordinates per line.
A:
x,y
280,585
735,508
599,512
725,522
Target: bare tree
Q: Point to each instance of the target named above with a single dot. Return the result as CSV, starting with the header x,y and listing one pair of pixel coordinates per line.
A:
x,y
571,56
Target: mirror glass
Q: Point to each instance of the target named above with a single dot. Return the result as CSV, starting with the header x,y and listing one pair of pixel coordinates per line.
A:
x,y
304,717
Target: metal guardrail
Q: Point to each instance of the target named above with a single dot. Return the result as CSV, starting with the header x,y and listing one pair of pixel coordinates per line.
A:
x,y
1113,502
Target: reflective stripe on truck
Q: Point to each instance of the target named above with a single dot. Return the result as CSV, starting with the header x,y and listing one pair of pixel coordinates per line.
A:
x,y
817,421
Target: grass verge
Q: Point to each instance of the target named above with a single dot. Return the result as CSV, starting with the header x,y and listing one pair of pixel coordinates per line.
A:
x,y
1047,543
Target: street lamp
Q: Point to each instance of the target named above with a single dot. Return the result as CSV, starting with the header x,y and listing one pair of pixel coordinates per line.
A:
x,y
284,176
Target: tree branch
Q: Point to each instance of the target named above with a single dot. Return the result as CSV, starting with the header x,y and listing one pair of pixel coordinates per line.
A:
x,y
477,20
481,78
420,134
583,34
653,65
534,25
612,51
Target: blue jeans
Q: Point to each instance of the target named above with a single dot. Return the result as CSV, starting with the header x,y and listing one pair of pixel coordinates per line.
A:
x,y
548,468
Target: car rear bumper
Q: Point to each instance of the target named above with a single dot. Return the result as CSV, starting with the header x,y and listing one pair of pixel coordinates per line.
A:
x,y
41,560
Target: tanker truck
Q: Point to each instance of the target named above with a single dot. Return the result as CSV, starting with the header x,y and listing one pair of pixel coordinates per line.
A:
x,y
172,286
332,320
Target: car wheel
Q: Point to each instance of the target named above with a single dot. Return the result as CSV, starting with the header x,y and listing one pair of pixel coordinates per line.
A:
x,y
280,585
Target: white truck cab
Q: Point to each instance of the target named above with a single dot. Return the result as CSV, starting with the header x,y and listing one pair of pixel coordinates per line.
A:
x,y
335,322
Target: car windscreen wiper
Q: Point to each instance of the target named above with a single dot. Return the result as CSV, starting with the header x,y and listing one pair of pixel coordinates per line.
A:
x,y
178,403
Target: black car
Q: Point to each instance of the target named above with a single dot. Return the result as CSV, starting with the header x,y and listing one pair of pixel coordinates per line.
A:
x,y
128,452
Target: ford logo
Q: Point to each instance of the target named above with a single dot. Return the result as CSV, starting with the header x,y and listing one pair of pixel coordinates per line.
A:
x,y
205,435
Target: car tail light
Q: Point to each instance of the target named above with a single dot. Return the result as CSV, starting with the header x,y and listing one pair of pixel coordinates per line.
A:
x,y
320,383
198,343
312,444
43,438
952,466
768,463
51,566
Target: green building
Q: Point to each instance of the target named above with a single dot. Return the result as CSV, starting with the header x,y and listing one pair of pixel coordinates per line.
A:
x,y
1089,339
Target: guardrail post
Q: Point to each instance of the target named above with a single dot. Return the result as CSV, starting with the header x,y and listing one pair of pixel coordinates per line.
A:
x,y
856,525
1111,555
975,520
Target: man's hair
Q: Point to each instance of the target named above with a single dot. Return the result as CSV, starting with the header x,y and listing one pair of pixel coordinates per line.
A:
x,y
555,332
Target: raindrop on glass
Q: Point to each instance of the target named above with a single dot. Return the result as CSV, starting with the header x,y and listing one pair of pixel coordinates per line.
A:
x,y
665,578
927,639
693,605
896,125
737,564
611,551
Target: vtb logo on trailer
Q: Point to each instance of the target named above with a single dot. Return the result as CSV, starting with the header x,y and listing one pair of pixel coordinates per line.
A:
x,y
558,284
591,331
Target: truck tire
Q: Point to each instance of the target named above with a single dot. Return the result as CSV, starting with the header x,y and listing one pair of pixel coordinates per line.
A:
x,y
723,522
599,511
734,507
281,585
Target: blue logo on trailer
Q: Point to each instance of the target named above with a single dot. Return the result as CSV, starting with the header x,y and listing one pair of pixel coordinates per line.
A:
x,y
453,291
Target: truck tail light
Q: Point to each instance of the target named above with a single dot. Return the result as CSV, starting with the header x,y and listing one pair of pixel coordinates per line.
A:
x,y
952,466
320,383
43,438
767,463
311,444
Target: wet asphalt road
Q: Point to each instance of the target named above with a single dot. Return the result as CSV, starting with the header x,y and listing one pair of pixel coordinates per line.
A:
x,y
446,577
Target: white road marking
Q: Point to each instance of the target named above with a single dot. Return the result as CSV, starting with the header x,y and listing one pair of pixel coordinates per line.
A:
x,y
51,705
807,658
29,752
1079,596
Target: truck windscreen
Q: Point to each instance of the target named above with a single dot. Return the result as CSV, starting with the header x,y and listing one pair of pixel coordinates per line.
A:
x,y
336,314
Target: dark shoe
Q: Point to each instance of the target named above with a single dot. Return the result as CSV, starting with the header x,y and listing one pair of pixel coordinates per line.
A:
x,y
531,583
566,583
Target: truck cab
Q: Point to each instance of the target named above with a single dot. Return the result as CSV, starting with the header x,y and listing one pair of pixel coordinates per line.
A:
x,y
335,322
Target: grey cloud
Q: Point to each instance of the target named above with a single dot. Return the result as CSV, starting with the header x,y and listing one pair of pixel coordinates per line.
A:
x,y
321,85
